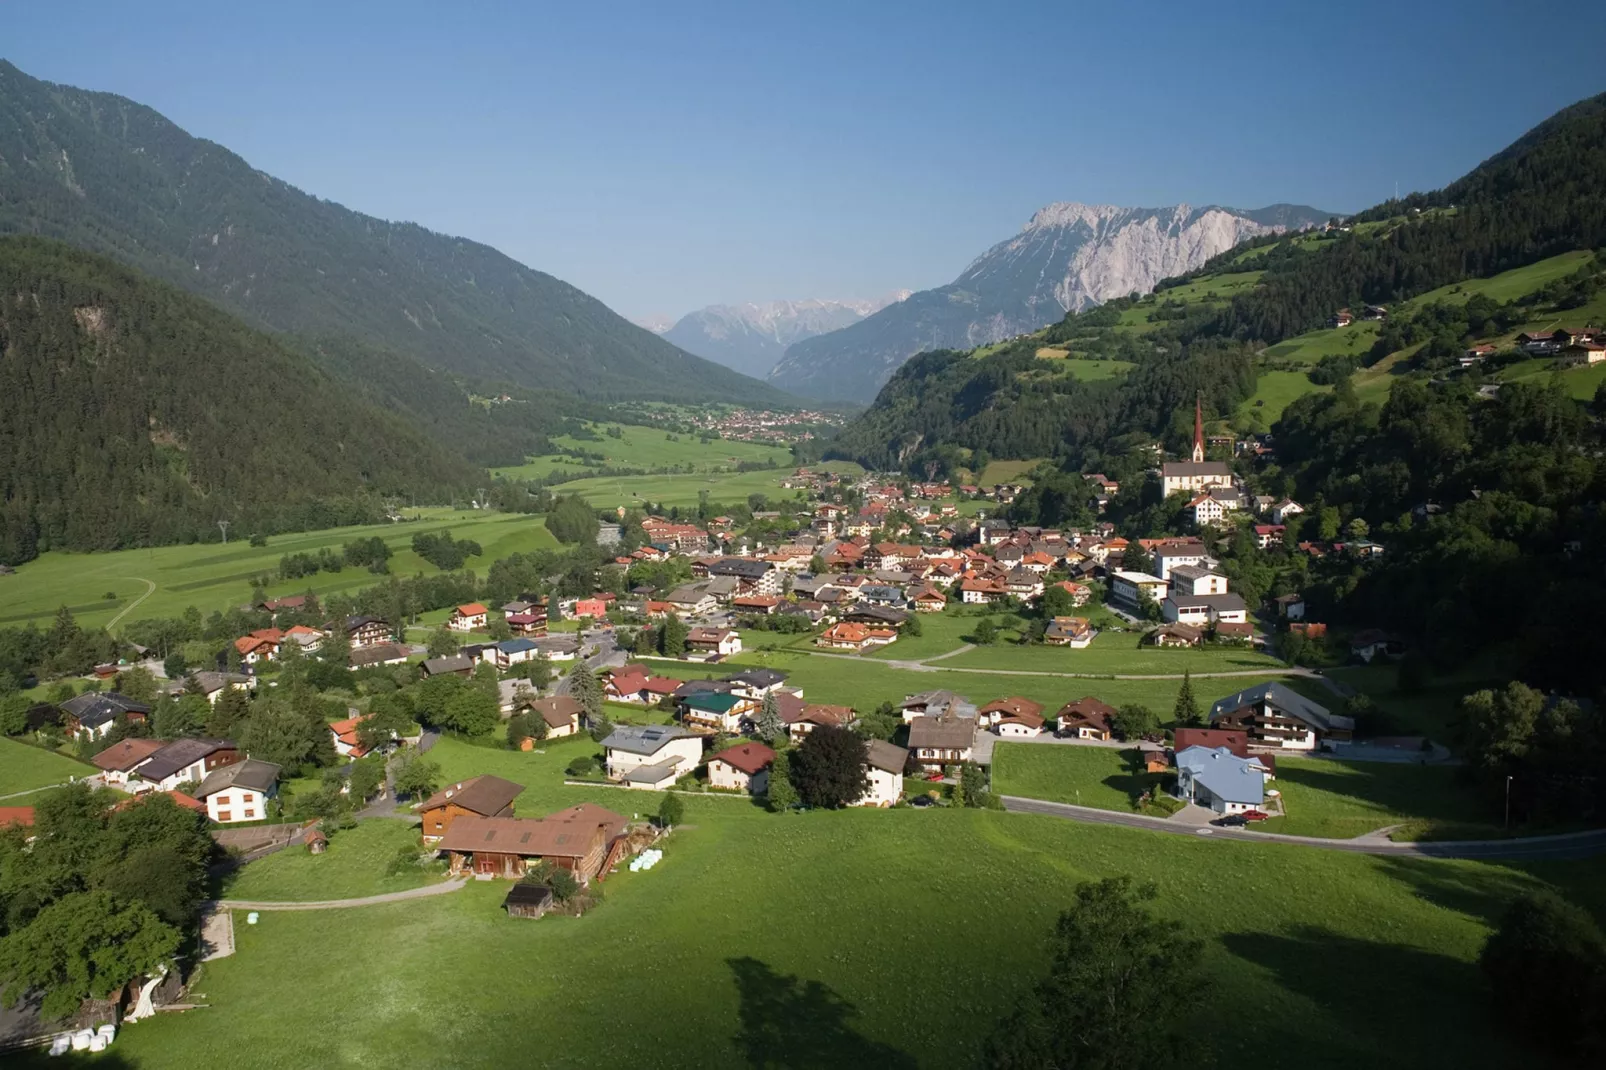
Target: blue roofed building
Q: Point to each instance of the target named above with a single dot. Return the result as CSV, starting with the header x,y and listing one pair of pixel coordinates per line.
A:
x,y
1216,778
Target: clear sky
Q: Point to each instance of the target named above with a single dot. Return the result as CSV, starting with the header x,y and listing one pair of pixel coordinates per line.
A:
x,y
666,156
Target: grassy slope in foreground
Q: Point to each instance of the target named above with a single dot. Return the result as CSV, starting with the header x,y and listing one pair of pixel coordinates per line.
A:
x,y
212,576
810,940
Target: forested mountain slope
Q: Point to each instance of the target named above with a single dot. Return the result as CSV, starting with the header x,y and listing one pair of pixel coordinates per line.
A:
x,y
115,177
135,414
1081,382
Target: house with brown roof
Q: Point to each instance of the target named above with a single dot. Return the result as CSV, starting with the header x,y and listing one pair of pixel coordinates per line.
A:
x,y
816,715
117,761
722,642
849,635
481,796
1074,632
939,742
1086,718
561,713
883,771
1014,706
581,839
744,767
1176,635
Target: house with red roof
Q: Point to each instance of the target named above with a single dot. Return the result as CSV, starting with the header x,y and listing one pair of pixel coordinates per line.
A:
x,y
261,645
744,767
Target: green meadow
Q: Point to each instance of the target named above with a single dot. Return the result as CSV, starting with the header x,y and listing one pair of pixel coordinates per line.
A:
x,y
649,448
165,580
27,768
813,940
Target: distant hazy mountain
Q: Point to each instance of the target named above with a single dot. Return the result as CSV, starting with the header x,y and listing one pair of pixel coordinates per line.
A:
x,y
112,176
752,338
1068,257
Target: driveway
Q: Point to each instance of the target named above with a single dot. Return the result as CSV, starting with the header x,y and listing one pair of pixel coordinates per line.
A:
x,y
337,904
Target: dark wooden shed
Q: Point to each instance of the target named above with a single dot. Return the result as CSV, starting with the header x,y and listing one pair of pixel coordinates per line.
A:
x,y
527,900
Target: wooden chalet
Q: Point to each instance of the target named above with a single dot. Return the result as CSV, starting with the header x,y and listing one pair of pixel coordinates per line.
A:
x,y
584,839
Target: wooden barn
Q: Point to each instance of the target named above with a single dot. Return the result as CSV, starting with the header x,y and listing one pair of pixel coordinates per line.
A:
x,y
583,839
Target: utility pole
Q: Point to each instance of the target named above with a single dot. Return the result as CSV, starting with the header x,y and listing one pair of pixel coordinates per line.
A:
x,y
223,526
1508,802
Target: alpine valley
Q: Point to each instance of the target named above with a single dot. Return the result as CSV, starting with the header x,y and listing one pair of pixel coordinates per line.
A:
x,y
1068,258
752,338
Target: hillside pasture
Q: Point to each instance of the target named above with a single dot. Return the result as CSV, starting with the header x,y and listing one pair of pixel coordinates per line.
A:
x,y
213,576
27,768
649,448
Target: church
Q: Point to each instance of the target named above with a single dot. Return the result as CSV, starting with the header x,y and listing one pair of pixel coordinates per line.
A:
x,y
1195,474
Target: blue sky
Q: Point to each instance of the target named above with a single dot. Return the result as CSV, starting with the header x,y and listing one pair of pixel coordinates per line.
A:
x,y
668,156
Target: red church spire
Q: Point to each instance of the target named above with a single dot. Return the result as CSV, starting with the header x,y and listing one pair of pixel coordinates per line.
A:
x,y
1198,427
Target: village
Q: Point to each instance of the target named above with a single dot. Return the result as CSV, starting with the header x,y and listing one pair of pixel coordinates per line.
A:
x,y
689,672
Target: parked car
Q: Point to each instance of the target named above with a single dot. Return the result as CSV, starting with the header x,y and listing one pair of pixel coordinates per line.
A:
x,y
922,800
1231,821
1255,815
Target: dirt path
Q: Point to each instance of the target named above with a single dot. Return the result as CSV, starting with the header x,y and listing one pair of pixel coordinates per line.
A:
x,y
150,590
337,904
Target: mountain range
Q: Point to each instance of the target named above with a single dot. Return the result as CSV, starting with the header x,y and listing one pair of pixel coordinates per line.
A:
x,y
112,176
752,338
1068,257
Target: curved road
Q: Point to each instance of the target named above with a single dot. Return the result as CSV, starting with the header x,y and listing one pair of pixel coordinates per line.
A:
x,y
1572,845
335,904
150,590
924,665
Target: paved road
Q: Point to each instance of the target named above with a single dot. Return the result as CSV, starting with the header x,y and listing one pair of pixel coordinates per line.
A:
x,y
1533,848
150,589
336,904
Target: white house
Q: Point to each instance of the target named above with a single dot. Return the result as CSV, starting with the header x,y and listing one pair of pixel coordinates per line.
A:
x,y
239,792
510,652
1205,511
183,761
468,618
1193,579
883,768
1167,558
1283,510
744,767
1203,609
1216,778
722,641
651,756
1129,587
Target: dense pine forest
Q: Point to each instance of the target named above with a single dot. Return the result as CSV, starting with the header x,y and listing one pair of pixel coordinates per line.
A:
x,y
135,414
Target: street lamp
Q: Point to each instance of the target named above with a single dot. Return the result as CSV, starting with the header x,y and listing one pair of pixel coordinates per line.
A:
x,y
1508,802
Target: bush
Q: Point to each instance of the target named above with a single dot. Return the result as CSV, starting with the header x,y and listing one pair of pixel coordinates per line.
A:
x,y
584,765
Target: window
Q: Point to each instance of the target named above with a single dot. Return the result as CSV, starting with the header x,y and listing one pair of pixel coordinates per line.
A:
x,y
249,814
225,815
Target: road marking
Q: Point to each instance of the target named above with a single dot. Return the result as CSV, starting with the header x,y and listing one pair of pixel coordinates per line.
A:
x,y
1204,832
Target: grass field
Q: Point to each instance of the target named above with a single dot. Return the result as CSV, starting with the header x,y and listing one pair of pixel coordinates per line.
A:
x,y
1580,383
651,448
1070,773
1114,653
353,865
1508,285
1342,800
684,488
809,940
1355,340
24,768
212,576
865,683
1275,391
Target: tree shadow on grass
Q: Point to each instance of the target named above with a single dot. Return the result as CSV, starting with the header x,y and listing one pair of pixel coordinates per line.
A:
x,y
1482,892
787,1022
1386,1003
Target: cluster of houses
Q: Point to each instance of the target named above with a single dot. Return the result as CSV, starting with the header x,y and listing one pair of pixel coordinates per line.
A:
x,y
229,787
1193,597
